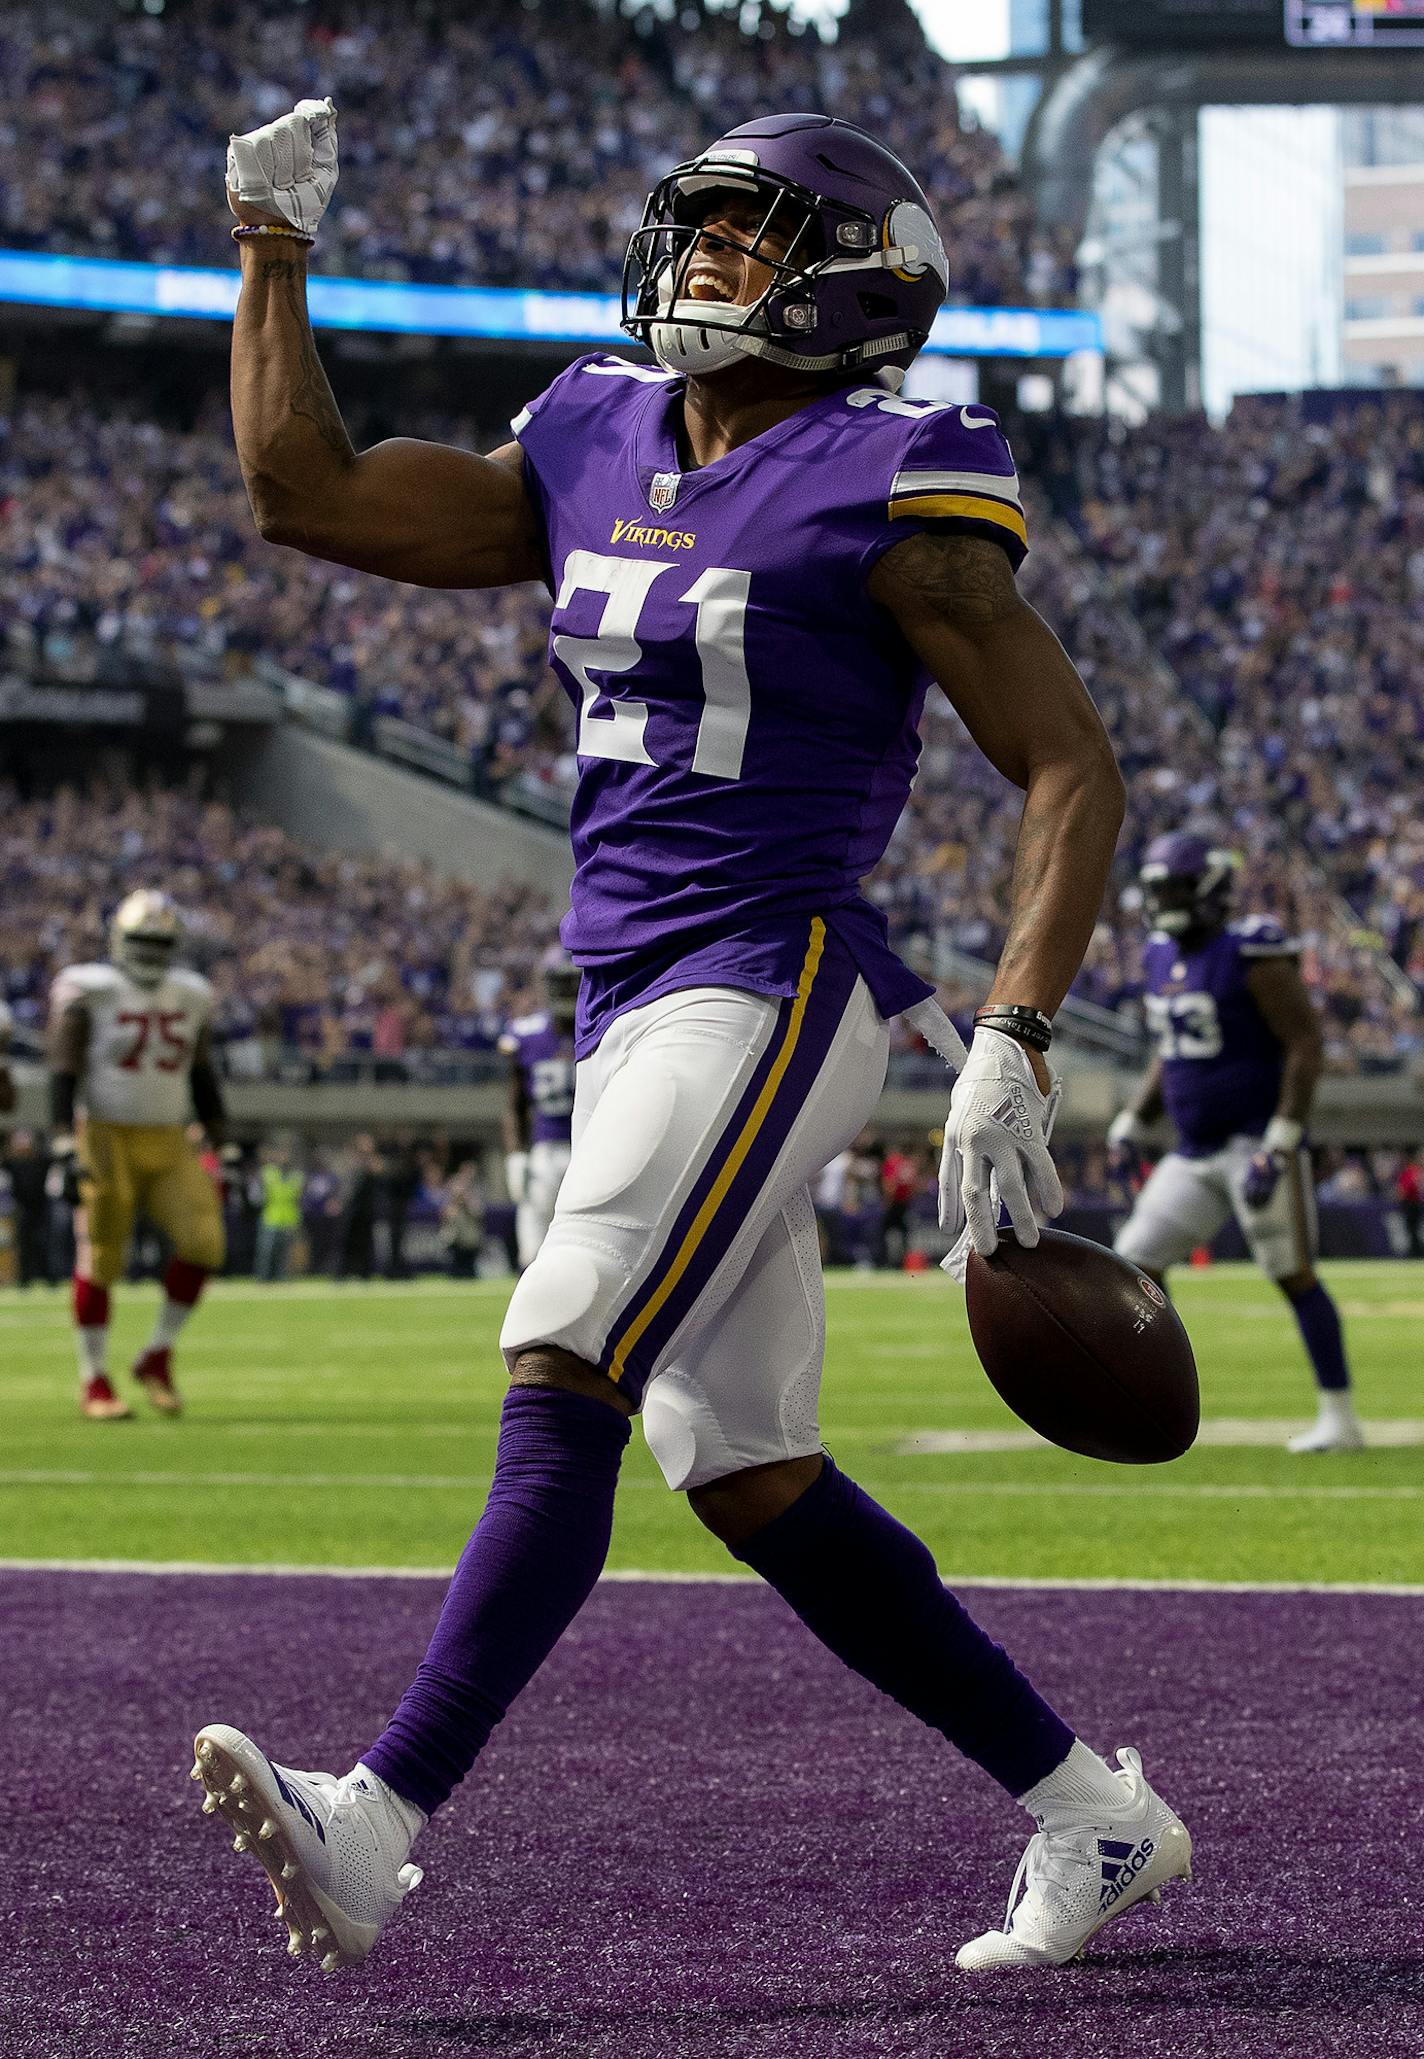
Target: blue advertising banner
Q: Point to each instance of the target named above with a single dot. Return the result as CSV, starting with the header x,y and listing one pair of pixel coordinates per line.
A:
x,y
497,313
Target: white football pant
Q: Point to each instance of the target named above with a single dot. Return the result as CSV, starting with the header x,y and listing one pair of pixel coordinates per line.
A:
x,y
1185,1201
682,1258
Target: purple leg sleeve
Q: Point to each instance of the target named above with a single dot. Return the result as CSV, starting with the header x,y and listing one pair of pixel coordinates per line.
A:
x,y
1319,1321
870,1591
523,1577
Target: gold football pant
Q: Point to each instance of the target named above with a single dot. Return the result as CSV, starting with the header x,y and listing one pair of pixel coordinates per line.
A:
x,y
131,1169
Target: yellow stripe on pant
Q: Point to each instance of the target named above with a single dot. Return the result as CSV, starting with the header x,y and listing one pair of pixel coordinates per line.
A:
x,y
701,1222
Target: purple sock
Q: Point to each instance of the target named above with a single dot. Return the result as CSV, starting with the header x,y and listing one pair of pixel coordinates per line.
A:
x,y
870,1591
522,1578
1319,1321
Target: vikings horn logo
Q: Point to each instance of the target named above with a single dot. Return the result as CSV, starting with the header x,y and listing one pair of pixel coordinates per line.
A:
x,y
663,491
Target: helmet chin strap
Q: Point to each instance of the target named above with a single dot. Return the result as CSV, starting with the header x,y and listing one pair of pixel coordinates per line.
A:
x,y
682,343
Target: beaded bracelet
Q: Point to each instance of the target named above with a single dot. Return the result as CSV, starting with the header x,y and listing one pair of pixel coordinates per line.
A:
x,y
246,229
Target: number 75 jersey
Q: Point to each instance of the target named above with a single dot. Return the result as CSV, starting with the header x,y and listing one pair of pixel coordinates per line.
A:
x,y
141,1041
747,718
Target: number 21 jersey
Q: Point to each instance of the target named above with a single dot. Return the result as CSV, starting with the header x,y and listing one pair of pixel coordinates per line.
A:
x,y
747,717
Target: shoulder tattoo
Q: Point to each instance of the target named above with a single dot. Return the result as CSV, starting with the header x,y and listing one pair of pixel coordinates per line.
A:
x,y
962,579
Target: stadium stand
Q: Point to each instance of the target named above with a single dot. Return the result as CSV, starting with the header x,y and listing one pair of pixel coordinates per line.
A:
x,y
146,545
473,151
317,958
1278,565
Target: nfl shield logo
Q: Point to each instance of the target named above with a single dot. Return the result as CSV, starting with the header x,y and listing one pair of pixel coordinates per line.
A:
x,y
663,491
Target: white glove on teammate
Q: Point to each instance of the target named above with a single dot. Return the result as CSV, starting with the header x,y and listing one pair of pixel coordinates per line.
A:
x,y
996,1151
288,166
1126,1128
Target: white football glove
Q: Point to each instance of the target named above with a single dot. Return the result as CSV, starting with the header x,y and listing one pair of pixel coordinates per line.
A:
x,y
288,166
996,1151
516,1175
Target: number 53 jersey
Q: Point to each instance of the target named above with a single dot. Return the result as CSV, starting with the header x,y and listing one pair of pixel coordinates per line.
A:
x,y
747,717
141,1041
1221,1063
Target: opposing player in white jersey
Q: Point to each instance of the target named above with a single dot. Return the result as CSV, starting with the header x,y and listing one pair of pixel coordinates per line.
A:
x,y
130,1048
538,1123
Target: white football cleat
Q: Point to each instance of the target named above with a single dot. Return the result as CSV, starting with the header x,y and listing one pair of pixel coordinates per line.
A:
x,y
1333,1432
334,1850
1082,1868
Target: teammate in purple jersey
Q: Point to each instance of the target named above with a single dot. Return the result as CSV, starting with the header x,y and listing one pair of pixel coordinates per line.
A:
x,y
1239,1052
538,1122
760,556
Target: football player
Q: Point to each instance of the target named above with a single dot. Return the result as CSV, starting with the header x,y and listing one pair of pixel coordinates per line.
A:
x,y
130,1049
760,557
1239,1052
538,1123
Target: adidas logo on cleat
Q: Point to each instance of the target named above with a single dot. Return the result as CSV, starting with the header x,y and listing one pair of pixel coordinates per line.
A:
x,y
295,1801
1121,1865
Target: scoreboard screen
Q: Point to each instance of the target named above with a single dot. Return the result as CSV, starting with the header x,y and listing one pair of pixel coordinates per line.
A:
x,y
1355,24
1258,24
1183,24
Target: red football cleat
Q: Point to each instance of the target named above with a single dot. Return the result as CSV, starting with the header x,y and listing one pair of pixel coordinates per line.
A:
x,y
154,1374
98,1401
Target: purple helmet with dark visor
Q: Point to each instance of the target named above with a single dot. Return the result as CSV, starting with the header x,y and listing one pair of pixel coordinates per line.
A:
x,y
1187,883
861,271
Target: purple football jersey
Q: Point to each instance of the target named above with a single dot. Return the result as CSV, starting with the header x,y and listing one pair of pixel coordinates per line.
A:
x,y
1221,1064
544,1054
747,718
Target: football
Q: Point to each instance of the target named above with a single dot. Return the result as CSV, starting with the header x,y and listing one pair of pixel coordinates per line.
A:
x,y
1084,1348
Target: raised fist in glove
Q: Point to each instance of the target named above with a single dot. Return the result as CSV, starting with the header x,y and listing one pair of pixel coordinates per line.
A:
x,y
1263,1173
996,1150
286,170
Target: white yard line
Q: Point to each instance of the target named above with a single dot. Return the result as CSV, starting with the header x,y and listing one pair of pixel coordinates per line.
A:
x,y
168,1568
1222,1433
63,1476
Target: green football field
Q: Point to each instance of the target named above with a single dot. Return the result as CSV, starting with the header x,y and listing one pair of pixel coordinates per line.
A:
x,y
355,1426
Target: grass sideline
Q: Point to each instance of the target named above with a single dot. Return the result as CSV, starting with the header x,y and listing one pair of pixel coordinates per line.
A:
x,y
355,1425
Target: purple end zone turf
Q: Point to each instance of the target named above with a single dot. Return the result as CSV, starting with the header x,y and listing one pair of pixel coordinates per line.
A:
x,y
696,1835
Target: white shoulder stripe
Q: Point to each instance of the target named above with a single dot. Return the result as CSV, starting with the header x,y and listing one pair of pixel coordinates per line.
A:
x,y
999,485
521,420
619,368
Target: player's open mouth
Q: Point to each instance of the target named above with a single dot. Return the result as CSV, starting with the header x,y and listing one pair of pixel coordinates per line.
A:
x,y
703,284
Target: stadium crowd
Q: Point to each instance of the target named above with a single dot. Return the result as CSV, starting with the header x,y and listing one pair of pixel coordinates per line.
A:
x,y
1278,565
314,956
120,533
509,145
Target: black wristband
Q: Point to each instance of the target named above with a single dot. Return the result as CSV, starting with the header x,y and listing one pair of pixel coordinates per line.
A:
x,y
1025,1025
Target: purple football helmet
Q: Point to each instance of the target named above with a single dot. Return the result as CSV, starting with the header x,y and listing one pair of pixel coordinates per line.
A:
x,y
862,271
1187,883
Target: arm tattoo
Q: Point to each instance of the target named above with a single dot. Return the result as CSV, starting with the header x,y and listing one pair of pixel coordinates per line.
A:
x,y
963,579
312,398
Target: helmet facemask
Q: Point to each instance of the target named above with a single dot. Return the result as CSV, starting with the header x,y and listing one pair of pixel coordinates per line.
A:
x,y
1180,903
703,336
144,937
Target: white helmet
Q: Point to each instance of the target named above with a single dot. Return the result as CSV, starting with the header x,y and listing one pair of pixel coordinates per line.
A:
x,y
143,935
